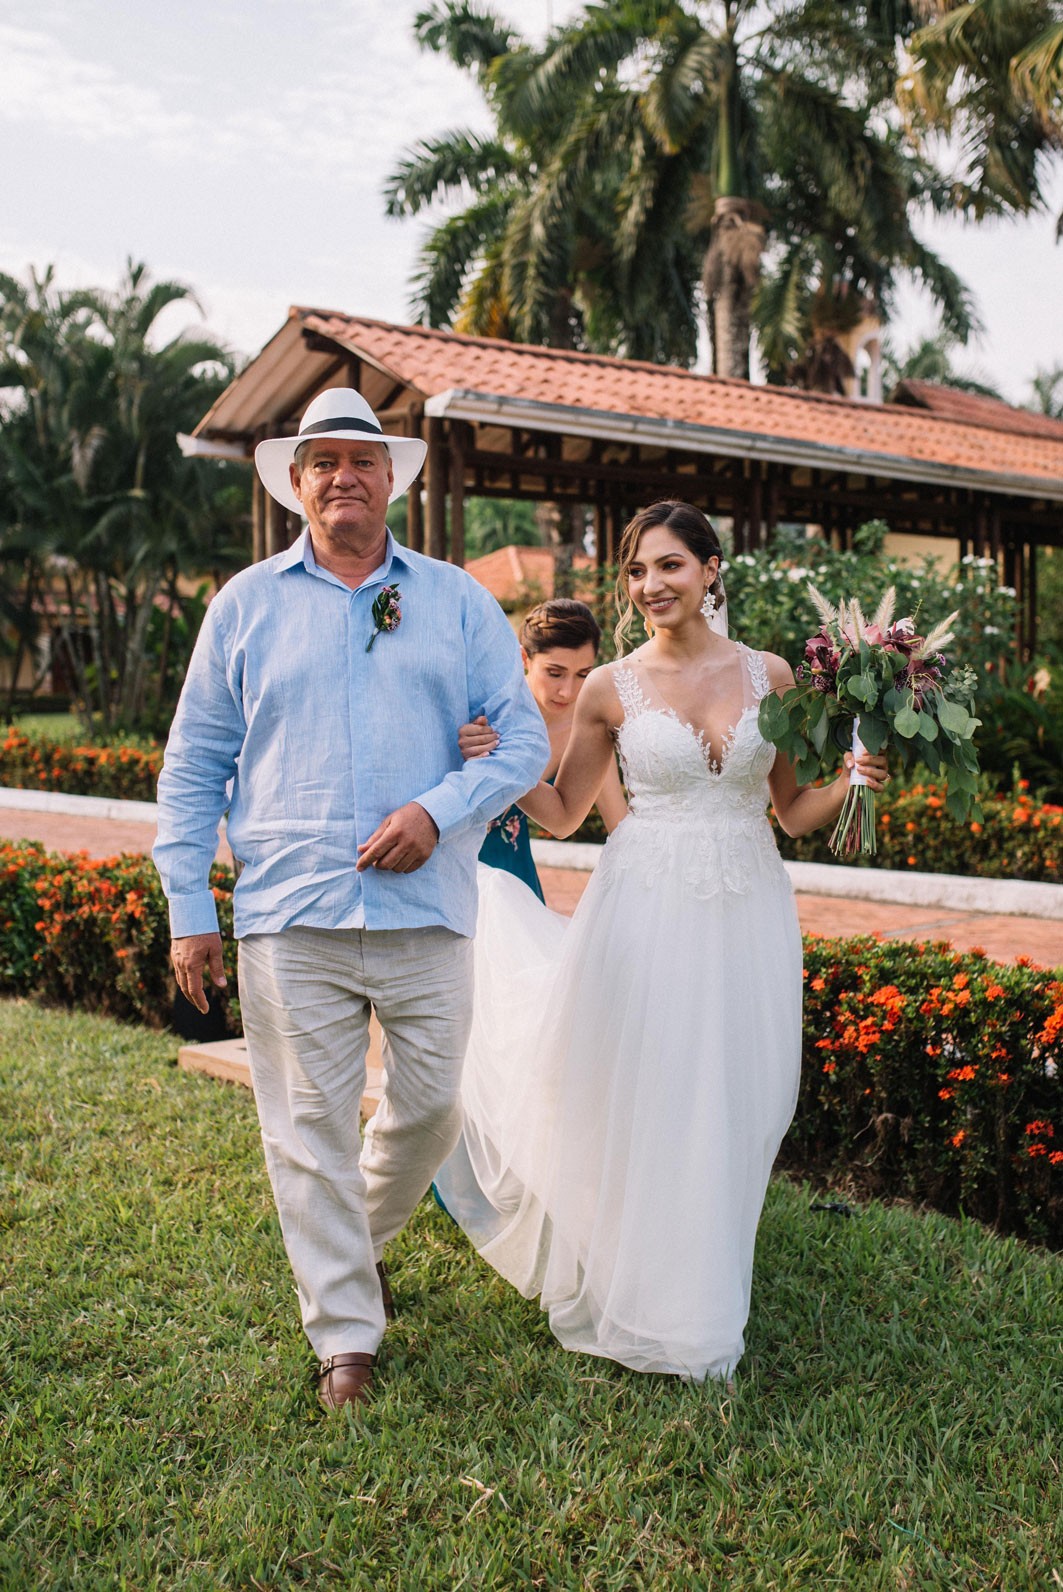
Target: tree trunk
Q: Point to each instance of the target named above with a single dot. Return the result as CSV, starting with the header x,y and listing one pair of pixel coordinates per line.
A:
x,y
732,270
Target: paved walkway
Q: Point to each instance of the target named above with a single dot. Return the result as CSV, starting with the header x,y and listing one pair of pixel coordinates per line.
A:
x,y
1004,938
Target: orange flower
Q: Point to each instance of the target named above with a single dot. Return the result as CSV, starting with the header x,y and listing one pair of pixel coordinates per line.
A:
x,y
946,1094
963,1074
958,1138
830,1066
818,983
911,862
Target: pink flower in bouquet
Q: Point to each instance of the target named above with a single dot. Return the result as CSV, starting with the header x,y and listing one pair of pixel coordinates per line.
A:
x,y
821,662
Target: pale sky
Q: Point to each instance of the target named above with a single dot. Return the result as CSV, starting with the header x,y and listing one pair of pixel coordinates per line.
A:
x,y
241,146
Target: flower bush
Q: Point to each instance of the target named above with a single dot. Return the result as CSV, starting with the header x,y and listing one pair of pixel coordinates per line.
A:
x,y
129,773
768,606
1017,836
937,1077
927,1074
93,933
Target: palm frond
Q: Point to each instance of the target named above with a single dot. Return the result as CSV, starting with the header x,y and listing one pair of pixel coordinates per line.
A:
x,y
458,162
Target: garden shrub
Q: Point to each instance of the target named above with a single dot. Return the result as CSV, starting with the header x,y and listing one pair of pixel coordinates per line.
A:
x,y
127,773
927,1074
936,1076
94,934
1017,837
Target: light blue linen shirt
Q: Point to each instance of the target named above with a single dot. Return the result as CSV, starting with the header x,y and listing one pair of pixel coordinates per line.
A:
x,y
322,739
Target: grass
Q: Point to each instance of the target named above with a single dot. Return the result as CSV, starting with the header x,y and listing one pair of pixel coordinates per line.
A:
x,y
896,1421
50,726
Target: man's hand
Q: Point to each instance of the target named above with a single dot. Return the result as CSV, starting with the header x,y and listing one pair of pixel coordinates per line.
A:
x,y
477,739
402,844
190,956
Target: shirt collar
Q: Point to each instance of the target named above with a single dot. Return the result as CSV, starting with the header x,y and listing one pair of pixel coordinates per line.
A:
x,y
301,553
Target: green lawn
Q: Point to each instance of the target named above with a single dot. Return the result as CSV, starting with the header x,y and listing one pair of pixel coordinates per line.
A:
x,y
50,726
896,1422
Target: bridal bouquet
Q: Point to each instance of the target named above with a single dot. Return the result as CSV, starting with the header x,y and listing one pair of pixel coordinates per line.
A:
x,y
868,685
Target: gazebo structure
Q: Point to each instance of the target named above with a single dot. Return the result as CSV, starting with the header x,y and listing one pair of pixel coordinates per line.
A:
x,y
520,421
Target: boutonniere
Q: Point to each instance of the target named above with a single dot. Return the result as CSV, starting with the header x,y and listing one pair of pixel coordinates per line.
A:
x,y
386,613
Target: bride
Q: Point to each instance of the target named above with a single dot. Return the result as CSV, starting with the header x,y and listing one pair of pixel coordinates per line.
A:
x,y
631,1073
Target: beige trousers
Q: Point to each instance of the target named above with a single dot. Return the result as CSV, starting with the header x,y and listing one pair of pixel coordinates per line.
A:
x,y
306,996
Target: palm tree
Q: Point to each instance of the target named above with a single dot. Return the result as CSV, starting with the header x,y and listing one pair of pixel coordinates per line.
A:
x,y
988,74
652,147
1048,392
932,359
768,123
98,492
530,254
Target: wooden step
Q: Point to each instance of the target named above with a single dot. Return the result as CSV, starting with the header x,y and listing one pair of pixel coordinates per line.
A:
x,y
227,1059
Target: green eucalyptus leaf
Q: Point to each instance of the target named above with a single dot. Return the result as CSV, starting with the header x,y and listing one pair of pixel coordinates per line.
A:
x,y
953,718
928,727
906,723
874,731
957,803
773,719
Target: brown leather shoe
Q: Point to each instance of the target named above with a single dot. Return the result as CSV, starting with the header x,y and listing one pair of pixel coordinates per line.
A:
x,y
385,1292
344,1379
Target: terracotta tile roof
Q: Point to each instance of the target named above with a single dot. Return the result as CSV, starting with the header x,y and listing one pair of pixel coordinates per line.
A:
x,y
434,362
519,574
976,409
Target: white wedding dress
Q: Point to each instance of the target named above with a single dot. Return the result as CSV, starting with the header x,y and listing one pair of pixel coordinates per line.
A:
x,y
631,1073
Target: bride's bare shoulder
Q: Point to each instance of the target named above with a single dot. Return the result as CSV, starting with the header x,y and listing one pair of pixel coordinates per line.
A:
x,y
599,693
780,674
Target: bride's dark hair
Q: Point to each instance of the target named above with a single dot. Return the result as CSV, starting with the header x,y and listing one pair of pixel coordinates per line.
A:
x,y
692,528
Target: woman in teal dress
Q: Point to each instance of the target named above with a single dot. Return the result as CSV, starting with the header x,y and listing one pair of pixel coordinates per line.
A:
x,y
559,641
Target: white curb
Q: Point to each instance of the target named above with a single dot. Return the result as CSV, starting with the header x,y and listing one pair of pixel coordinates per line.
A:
x,y
54,801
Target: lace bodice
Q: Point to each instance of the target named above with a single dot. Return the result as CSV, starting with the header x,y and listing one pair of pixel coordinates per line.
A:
x,y
704,818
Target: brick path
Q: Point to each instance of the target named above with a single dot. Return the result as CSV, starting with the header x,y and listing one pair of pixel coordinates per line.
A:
x,y
1003,938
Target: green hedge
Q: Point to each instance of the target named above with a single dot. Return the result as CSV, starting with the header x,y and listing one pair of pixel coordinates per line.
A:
x,y
936,1076
1018,837
128,773
94,934
927,1074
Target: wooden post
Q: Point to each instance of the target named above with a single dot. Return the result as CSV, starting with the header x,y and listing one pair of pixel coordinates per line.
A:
x,y
258,520
756,526
414,506
436,491
276,528
458,432
772,518
601,533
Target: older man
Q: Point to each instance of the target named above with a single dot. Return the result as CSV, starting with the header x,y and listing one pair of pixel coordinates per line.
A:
x,y
327,686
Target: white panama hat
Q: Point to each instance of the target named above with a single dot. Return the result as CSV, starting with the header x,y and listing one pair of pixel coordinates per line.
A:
x,y
338,412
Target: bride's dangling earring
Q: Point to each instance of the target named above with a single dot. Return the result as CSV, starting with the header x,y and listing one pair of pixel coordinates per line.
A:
x,y
708,607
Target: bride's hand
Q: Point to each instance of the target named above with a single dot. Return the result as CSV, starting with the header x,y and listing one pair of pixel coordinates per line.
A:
x,y
477,739
874,768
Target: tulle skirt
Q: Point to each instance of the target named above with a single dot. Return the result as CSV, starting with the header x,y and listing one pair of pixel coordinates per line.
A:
x,y
629,1079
